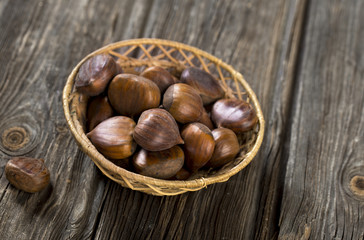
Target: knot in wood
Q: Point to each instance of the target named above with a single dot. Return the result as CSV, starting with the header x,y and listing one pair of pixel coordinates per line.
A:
x,y
357,185
15,138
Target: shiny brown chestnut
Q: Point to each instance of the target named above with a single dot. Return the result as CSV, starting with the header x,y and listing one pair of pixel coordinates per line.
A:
x,y
95,74
159,76
226,147
27,174
235,114
182,174
206,85
98,110
157,130
130,94
114,137
206,120
199,145
183,102
162,164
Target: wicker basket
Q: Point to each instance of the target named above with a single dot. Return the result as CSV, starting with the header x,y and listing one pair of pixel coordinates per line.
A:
x,y
136,54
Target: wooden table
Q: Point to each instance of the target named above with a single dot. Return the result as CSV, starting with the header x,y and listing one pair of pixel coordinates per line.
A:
x,y
305,61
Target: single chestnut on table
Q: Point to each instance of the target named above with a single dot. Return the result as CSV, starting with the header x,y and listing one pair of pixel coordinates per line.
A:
x,y
157,130
161,164
95,74
27,174
199,145
159,76
130,94
226,147
235,114
114,137
183,102
205,84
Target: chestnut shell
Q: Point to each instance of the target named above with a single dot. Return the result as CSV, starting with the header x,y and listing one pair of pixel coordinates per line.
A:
x,y
114,137
161,164
157,130
98,110
235,114
27,174
183,102
95,74
199,145
206,85
226,147
130,94
159,76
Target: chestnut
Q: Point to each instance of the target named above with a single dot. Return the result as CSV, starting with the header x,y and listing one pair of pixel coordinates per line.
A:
x,y
159,76
157,130
235,114
206,85
226,147
130,94
95,74
162,164
98,110
114,137
199,145
27,174
183,102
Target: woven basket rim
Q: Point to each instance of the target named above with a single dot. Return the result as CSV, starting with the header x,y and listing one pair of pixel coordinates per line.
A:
x,y
187,185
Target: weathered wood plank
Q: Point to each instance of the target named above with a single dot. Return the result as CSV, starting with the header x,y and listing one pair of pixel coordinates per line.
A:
x,y
46,40
326,140
259,39
40,44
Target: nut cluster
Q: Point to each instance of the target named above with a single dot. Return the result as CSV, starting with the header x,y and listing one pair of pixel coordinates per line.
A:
x,y
158,125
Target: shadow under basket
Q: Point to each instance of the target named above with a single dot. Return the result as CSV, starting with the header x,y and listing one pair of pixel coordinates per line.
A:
x,y
135,55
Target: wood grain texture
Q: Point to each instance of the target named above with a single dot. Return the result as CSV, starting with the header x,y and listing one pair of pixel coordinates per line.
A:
x,y
304,60
326,140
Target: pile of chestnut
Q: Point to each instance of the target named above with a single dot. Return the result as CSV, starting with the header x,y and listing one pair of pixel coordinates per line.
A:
x,y
158,123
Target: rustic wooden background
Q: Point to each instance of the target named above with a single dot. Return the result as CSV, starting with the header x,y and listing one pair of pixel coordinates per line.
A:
x,y
303,58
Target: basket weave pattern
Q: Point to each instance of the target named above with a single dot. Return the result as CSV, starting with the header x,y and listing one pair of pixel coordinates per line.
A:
x,y
136,54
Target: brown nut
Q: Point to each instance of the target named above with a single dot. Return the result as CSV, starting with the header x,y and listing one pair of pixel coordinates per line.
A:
x,y
114,137
159,76
206,85
130,94
98,110
27,174
226,147
182,174
206,120
95,74
183,102
162,164
234,114
199,145
157,130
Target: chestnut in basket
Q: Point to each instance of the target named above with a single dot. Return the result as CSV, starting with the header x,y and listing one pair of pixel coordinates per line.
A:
x,y
234,114
98,110
226,147
27,174
130,94
183,102
157,130
159,76
205,84
114,137
205,120
199,145
162,164
95,74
